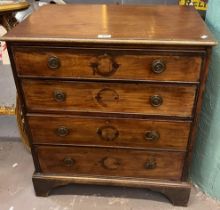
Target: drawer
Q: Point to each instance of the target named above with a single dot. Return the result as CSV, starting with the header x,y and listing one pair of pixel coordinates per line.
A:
x,y
147,99
110,64
110,162
109,132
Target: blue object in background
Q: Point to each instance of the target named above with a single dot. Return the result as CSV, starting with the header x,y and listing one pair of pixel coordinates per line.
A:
x,y
205,171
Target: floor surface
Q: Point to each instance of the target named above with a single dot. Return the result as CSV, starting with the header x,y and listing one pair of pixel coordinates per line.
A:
x,y
7,91
8,127
16,190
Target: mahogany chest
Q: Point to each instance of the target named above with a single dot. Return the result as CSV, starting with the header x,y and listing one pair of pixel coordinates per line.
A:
x,y
111,94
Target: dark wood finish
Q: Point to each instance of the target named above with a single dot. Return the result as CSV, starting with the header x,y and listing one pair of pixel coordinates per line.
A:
x,y
92,64
197,111
131,132
172,48
145,71
177,192
108,97
124,23
110,162
22,107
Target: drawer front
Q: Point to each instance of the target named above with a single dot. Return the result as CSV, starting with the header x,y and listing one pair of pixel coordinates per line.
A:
x,y
110,162
168,100
109,132
114,64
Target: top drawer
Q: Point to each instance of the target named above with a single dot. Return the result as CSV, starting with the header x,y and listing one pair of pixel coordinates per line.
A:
x,y
107,64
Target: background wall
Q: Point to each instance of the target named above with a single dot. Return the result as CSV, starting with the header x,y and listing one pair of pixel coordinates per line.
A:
x,y
205,170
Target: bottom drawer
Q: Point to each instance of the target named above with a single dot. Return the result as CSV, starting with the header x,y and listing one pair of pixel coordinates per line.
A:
x,y
110,162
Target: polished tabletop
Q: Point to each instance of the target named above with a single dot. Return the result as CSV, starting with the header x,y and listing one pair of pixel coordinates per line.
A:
x,y
155,24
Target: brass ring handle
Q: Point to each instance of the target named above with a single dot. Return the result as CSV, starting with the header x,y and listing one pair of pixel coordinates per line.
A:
x,y
68,161
108,133
62,131
106,95
150,164
156,100
53,63
111,163
104,66
158,66
151,136
59,96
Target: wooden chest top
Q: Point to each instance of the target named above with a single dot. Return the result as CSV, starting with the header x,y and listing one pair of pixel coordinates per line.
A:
x,y
173,25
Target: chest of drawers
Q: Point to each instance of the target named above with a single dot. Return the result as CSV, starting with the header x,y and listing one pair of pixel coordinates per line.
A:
x,y
111,94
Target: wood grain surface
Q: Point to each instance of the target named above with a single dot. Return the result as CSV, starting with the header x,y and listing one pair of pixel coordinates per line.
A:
x,y
114,24
130,65
176,192
109,132
110,162
94,109
108,97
